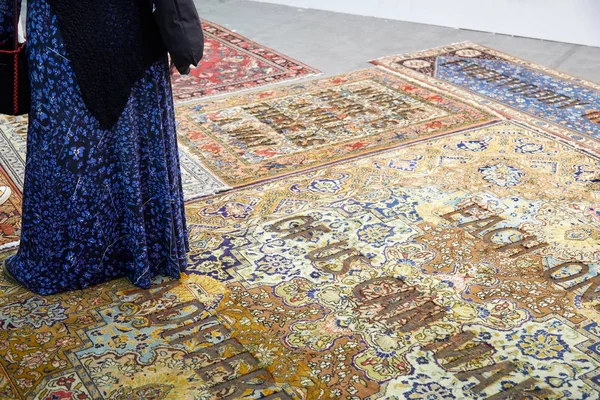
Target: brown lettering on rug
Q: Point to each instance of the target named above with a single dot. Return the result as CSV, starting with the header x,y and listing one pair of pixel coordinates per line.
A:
x,y
555,98
226,121
299,226
353,109
307,139
498,78
329,95
209,355
593,116
592,291
515,245
463,356
300,107
224,370
400,300
393,294
308,233
382,123
421,316
163,317
574,103
340,100
523,389
512,82
466,211
277,396
515,85
389,101
148,294
487,223
372,289
527,88
323,254
198,336
499,371
549,274
484,223
216,365
320,116
251,136
391,303
449,350
542,94
257,380
274,118
457,62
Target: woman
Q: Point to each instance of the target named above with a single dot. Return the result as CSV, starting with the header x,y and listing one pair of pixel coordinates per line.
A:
x,y
102,196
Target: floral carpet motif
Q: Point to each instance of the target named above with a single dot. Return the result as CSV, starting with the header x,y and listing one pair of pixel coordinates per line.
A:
x,y
258,136
312,263
453,268
196,179
549,99
232,63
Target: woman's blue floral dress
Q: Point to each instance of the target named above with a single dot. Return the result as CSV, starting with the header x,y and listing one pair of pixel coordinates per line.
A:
x,y
97,204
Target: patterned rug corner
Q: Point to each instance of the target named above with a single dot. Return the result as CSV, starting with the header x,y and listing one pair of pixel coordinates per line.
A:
x,y
559,103
233,63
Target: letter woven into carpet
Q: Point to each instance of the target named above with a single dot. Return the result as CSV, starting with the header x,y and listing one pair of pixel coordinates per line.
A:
x,y
462,266
232,63
552,100
258,136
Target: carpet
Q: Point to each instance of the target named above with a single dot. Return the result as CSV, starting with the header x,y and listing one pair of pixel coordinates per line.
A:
x,y
463,266
231,63
197,181
549,99
10,211
258,136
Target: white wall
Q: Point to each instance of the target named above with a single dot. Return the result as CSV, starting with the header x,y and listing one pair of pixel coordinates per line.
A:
x,y
571,21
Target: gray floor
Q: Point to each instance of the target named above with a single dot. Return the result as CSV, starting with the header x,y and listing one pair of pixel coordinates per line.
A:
x,y
337,43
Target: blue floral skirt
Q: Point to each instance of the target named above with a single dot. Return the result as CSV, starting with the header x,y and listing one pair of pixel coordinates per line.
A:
x,y
97,204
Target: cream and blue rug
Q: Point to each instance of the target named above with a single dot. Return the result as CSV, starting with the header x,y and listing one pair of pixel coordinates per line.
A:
x,y
456,259
348,282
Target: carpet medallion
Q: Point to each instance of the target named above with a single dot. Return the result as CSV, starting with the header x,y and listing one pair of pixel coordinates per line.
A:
x,y
257,136
462,266
231,63
550,99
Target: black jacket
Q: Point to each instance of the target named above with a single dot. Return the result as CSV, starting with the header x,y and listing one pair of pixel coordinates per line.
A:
x,y
181,31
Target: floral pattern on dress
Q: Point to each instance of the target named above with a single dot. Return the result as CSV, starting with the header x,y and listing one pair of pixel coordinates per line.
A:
x,y
97,204
6,20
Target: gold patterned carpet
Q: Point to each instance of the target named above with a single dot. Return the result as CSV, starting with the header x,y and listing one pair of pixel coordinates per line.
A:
x,y
445,264
257,136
